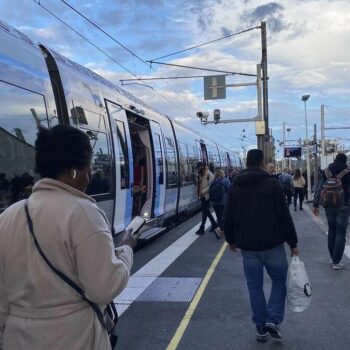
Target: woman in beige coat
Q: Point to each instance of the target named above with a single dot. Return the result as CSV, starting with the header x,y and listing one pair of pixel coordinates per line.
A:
x,y
299,184
38,310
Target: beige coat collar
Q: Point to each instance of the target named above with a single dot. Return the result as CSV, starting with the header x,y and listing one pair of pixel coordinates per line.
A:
x,y
48,184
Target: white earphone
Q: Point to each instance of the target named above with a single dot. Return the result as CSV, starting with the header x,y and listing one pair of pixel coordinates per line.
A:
x,y
74,174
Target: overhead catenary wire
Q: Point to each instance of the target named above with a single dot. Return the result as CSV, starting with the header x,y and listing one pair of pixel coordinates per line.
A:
x,y
134,55
106,54
201,68
103,31
206,43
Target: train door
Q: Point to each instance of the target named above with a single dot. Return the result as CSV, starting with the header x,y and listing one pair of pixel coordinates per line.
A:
x,y
124,167
159,166
143,186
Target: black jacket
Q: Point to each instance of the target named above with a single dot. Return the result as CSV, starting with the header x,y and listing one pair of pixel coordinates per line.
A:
x,y
335,168
257,216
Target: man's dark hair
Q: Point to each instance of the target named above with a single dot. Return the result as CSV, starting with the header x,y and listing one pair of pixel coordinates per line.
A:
x,y
255,158
341,158
60,149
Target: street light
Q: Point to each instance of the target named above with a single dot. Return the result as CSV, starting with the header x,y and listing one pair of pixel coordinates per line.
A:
x,y
305,98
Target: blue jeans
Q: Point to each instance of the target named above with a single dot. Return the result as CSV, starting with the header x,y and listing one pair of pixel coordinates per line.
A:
x,y
337,224
275,262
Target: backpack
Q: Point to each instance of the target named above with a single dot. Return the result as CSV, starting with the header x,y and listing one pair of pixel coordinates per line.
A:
x,y
332,193
217,191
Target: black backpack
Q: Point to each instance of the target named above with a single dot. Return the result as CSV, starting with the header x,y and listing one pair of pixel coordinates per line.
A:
x,y
217,191
332,193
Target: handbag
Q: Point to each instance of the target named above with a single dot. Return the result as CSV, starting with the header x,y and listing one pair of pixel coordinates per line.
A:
x,y
108,318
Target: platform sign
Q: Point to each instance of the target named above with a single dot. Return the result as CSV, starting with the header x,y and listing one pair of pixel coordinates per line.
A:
x,y
292,152
212,89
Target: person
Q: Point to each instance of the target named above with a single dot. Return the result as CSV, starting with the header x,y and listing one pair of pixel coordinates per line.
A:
x,y
306,192
257,221
218,197
270,169
286,181
337,218
38,310
299,189
204,179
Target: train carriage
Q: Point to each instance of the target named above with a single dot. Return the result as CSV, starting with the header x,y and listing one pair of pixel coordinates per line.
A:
x,y
144,163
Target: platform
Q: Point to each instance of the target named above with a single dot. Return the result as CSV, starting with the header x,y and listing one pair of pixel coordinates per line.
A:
x,y
178,298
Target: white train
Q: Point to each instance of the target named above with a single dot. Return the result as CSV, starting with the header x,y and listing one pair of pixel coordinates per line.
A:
x,y
144,163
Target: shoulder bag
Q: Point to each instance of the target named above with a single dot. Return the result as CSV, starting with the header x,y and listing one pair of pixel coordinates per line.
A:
x,y
108,318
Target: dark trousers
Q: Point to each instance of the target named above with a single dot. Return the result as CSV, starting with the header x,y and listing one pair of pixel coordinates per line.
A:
x,y
288,194
219,211
206,214
298,192
337,224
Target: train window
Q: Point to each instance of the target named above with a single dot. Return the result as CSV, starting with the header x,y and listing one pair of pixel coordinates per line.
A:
x,y
101,173
21,112
159,157
123,155
87,118
184,166
171,169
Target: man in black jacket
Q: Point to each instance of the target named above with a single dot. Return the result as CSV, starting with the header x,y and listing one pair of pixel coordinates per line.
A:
x,y
337,218
257,220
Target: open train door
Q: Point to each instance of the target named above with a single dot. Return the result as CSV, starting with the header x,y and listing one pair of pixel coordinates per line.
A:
x,y
124,166
159,166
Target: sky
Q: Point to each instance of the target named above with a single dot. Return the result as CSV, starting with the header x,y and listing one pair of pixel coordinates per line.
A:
x,y
307,46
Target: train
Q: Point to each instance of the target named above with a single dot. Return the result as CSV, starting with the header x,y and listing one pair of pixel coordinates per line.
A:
x,y
144,162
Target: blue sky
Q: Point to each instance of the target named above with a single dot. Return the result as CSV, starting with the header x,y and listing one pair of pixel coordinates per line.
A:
x,y
308,53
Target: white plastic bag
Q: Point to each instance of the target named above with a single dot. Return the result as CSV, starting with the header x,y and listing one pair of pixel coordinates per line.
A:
x,y
298,286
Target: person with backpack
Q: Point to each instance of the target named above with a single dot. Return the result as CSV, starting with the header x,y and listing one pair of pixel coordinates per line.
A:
x,y
299,184
204,179
333,193
218,197
286,181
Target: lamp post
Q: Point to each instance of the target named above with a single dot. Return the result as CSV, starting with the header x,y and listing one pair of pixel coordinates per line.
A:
x,y
288,139
305,98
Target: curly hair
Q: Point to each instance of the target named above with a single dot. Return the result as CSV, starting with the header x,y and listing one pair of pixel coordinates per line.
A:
x,y
59,149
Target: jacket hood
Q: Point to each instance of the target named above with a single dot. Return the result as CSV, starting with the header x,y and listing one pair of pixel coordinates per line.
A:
x,y
250,177
337,167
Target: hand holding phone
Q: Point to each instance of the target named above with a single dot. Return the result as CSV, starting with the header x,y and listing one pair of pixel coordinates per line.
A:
x,y
128,239
135,225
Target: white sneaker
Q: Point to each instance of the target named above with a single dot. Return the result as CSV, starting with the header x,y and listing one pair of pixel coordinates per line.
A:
x,y
338,266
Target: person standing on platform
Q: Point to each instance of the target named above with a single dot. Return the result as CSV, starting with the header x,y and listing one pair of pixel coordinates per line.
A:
x,y
286,181
299,189
204,179
38,310
257,221
337,217
218,197
271,169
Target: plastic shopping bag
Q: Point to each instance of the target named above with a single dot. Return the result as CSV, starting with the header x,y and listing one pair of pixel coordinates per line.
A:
x,y
298,286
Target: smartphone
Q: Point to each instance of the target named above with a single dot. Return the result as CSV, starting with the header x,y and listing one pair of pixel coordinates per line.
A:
x,y
135,225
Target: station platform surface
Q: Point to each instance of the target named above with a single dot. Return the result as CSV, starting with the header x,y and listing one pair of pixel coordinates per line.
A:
x,y
189,292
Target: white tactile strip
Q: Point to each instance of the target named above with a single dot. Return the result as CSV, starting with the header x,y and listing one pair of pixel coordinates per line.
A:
x,y
171,289
145,276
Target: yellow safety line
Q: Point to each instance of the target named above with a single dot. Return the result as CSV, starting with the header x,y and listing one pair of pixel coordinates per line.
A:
x,y
188,315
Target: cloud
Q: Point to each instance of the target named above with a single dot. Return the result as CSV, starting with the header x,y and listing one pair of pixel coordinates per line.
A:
x,y
271,12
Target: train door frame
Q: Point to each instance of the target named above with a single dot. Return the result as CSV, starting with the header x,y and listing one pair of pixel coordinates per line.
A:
x,y
203,152
123,187
158,203
138,124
